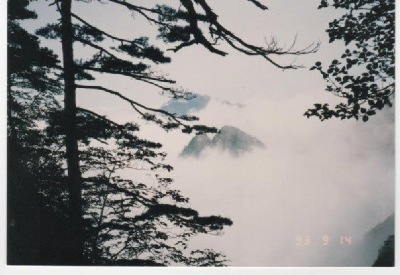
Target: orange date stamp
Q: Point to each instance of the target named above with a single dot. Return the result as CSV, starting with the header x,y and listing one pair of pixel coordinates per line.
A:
x,y
306,240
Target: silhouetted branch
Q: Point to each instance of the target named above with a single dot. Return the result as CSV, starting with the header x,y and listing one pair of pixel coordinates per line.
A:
x,y
197,33
236,42
258,4
141,11
101,31
133,103
119,126
137,76
146,202
101,49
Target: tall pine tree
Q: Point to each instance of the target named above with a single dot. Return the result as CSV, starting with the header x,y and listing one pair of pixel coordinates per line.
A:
x,y
113,220
36,196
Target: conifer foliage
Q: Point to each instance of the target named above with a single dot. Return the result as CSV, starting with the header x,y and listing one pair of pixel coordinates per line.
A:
x,y
108,218
36,189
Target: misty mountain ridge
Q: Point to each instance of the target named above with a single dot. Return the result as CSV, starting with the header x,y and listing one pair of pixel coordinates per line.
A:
x,y
381,230
368,250
376,238
195,104
384,229
229,139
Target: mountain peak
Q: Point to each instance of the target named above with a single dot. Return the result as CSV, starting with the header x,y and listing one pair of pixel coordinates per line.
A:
x,y
229,138
196,145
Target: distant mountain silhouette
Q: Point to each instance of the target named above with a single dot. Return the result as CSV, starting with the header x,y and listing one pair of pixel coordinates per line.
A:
x,y
197,145
186,107
382,230
229,138
376,237
371,248
367,251
196,104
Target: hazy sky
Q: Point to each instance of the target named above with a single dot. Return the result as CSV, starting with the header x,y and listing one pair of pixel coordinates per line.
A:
x,y
314,178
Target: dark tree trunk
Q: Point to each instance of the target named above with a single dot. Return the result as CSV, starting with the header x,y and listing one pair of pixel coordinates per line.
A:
x,y
71,142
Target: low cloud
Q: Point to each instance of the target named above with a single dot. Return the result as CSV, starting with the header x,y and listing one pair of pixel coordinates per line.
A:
x,y
316,179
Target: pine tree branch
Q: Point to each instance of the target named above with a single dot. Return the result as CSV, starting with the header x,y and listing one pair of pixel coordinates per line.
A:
x,y
134,104
146,202
183,45
119,126
176,93
103,32
101,49
258,4
195,30
141,11
236,42
220,30
141,77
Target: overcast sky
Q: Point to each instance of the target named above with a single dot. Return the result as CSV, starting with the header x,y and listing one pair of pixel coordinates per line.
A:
x,y
314,178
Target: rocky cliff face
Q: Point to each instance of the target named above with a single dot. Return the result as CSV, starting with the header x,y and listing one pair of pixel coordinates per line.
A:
x,y
229,138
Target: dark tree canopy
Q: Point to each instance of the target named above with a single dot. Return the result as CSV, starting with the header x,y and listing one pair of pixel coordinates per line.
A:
x,y
125,222
35,193
141,221
111,219
364,75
